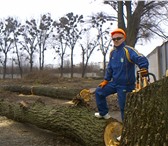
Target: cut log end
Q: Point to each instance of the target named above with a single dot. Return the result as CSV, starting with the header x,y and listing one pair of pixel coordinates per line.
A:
x,y
82,98
111,132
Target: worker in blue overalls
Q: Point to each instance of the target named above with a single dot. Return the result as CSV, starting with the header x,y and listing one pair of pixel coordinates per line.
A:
x,y
120,74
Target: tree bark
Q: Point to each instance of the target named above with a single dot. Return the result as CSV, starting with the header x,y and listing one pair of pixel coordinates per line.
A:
x,y
145,122
54,92
74,122
133,21
146,116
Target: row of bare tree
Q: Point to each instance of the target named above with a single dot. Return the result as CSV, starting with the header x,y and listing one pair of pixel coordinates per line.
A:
x,y
23,42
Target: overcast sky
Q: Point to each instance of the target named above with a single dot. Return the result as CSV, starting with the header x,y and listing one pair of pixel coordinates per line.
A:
x,y
58,8
25,9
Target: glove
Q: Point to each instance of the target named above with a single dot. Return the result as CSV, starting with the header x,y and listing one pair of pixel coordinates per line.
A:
x,y
144,72
103,83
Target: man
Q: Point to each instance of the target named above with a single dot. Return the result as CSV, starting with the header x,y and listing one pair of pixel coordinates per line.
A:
x,y
120,74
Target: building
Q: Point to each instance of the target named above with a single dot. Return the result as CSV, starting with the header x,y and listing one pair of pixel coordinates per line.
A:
x,y
158,60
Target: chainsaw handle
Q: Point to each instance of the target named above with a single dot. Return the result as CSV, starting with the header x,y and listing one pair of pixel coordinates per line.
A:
x,y
143,81
154,77
139,75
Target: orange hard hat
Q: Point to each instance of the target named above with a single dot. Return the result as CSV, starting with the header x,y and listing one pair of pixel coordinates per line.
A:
x,y
118,30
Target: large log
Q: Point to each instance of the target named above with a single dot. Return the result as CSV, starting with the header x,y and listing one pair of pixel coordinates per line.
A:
x,y
54,92
146,116
75,122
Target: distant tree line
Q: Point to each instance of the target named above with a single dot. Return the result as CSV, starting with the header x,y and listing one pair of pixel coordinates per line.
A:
x,y
23,43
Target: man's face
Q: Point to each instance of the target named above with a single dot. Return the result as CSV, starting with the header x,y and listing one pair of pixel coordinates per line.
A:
x,y
118,38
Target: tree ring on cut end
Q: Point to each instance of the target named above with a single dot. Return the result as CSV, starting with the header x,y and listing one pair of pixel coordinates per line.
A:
x,y
111,132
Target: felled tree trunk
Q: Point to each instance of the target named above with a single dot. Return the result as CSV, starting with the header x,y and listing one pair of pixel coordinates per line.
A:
x,y
54,92
146,116
75,122
145,123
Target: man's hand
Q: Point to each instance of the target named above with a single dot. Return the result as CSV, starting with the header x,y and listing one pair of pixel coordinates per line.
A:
x,y
103,83
144,72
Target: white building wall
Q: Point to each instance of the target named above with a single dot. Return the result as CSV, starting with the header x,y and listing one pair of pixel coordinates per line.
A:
x,y
158,60
154,63
162,57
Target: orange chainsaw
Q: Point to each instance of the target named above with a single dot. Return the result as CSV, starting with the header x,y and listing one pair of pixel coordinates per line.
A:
x,y
143,79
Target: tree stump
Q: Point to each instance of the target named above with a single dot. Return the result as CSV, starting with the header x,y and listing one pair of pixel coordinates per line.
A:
x,y
146,116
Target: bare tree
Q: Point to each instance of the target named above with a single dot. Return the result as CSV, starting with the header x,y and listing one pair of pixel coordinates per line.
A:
x,y
29,43
87,50
6,40
142,19
43,33
61,44
16,33
99,21
72,30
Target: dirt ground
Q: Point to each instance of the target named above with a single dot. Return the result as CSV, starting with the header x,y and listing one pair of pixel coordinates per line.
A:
x,y
19,134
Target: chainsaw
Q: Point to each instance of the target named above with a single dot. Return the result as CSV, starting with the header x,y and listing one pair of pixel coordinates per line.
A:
x,y
143,81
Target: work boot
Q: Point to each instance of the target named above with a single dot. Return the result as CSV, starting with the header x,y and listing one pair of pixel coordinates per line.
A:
x,y
107,116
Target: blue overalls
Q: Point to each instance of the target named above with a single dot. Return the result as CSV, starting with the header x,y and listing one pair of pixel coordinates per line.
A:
x,y
121,76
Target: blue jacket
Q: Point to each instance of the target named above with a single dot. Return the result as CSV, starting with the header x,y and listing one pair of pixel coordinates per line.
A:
x,y
120,70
